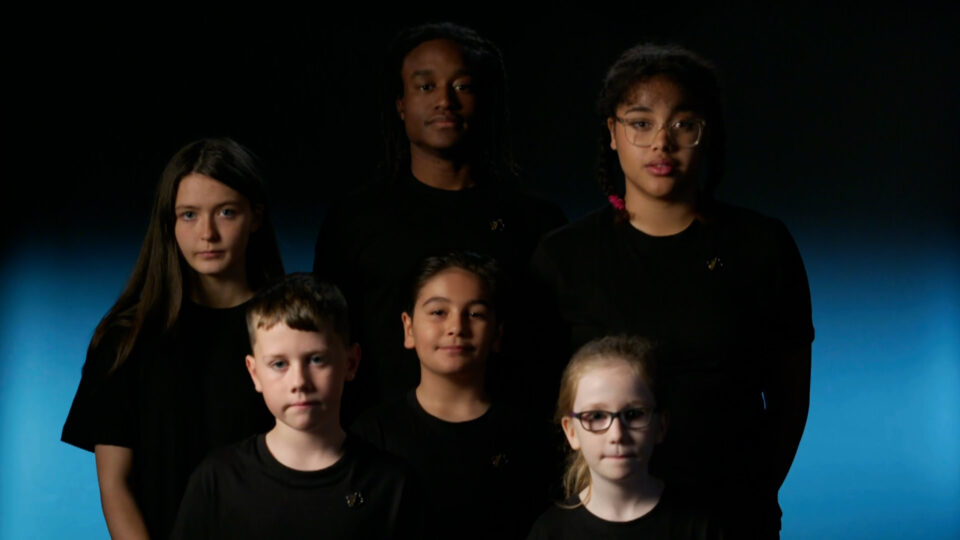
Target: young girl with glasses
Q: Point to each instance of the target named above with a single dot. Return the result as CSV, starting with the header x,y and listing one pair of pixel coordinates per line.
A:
x,y
721,288
164,381
612,418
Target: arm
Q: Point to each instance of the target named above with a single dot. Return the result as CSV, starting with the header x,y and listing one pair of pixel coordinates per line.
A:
x,y
788,400
114,464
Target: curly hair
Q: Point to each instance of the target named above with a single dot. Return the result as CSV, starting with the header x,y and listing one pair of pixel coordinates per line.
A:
x,y
699,80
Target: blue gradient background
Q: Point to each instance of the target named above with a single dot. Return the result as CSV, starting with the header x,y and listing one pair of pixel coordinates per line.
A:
x,y
861,170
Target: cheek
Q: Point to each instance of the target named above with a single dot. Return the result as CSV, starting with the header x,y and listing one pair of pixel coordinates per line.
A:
x,y
181,232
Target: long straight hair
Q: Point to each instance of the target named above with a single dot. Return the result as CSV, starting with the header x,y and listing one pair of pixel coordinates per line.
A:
x,y
638,353
150,303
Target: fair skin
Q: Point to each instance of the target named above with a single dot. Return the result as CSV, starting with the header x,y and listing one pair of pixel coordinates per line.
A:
x,y
453,330
212,227
660,190
437,108
301,376
621,488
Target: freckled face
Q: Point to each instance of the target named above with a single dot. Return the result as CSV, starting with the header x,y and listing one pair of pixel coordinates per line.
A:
x,y
617,453
453,327
438,101
213,226
664,170
301,375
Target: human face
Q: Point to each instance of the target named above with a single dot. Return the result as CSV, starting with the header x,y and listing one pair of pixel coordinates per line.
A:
x,y
453,327
663,171
616,454
213,225
301,375
437,105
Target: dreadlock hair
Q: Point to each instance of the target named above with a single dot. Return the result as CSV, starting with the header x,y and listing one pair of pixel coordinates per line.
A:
x,y
698,79
491,152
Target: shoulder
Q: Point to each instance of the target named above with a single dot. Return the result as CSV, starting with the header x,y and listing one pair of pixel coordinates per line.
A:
x,y
555,523
235,460
369,461
369,198
377,424
568,244
748,225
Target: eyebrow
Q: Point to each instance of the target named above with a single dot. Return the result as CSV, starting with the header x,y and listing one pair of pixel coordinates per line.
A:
x,y
429,72
231,202
478,301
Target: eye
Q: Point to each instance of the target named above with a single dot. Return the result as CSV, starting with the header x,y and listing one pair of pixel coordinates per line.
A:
x,y
594,416
685,125
464,87
318,360
425,87
640,124
278,365
229,212
637,413
437,312
187,215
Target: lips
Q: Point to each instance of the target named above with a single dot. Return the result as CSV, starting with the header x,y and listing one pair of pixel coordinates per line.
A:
x,y
445,121
300,405
661,167
456,349
210,254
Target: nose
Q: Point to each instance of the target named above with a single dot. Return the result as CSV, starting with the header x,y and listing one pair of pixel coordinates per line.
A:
x,y
617,432
208,229
457,324
447,98
662,140
299,382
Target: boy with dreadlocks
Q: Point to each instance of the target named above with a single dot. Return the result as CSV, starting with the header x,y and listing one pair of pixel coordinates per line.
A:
x,y
448,184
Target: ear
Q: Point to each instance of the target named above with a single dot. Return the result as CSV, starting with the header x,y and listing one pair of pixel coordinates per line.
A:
x,y
570,431
401,108
252,370
257,217
353,361
408,341
664,420
612,127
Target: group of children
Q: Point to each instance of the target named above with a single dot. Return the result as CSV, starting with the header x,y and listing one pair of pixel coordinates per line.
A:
x,y
440,370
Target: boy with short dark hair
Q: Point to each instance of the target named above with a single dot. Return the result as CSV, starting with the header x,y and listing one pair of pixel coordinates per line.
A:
x,y
304,476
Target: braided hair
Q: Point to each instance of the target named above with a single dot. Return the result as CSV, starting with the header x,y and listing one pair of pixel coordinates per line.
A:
x,y
697,77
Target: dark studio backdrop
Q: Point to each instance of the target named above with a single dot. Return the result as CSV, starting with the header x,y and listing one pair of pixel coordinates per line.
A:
x,y
841,122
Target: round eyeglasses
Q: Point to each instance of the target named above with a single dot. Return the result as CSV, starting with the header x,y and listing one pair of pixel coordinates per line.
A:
x,y
641,132
630,418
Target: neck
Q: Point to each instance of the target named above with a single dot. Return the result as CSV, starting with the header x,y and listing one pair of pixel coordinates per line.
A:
x,y
452,399
439,172
306,450
661,217
219,291
625,500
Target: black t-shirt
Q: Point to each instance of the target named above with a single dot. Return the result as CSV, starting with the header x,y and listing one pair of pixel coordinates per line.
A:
x,y
484,478
371,243
724,298
242,491
672,518
173,401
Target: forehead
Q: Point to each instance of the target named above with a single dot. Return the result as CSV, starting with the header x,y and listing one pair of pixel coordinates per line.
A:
x,y
281,339
656,92
453,283
612,384
200,188
435,55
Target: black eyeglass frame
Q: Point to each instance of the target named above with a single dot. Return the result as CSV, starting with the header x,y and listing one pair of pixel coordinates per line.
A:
x,y
621,414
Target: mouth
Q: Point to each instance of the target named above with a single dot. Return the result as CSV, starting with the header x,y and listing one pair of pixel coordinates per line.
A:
x,y
446,121
303,405
456,349
211,254
662,167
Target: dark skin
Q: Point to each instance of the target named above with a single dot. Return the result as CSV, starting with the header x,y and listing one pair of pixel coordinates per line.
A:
x,y
437,108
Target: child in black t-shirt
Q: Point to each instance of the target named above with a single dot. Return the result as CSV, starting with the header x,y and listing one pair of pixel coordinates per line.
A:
x,y
609,411
305,476
484,468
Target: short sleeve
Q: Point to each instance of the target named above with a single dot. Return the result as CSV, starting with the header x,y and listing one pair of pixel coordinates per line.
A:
x,y
196,514
102,411
792,320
